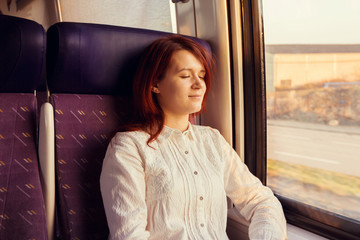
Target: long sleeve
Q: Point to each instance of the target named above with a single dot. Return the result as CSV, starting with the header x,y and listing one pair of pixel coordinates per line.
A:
x,y
254,201
122,184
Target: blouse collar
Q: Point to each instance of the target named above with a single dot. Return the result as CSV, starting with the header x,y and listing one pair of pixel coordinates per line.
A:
x,y
167,132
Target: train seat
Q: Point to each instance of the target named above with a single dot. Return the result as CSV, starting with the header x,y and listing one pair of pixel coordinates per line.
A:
x,y
22,209
90,70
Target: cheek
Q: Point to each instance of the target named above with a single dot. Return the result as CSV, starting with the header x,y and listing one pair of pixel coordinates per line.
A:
x,y
168,96
176,90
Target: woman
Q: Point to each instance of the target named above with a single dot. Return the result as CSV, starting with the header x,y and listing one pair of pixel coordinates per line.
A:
x,y
164,178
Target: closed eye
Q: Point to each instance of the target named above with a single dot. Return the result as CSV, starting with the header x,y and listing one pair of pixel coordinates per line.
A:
x,y
202,74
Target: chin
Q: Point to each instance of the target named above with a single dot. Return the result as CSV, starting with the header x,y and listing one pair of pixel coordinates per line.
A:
x,y
196,110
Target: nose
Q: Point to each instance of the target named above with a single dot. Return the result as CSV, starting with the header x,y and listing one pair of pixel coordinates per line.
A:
x,y
198,82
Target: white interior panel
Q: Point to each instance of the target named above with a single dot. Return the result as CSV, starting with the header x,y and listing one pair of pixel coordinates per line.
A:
x,y
211,24
146,14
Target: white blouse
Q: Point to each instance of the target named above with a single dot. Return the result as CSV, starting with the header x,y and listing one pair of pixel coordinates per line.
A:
x,y
177,188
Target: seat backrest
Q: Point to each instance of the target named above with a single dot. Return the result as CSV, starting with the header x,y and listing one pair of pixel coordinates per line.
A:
x,y
22,210
90,71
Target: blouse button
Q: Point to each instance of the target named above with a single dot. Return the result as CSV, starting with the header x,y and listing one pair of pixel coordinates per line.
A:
x,y
186,152
202,225
195,172
201,198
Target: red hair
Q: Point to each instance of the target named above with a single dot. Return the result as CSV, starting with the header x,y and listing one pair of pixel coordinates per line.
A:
x,y
147,113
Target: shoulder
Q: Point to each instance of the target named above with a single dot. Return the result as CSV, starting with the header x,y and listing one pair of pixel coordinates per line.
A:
x,y
129,138
209,136
207,132
132,143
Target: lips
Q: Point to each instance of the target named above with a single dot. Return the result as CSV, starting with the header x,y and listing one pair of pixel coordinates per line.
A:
x,y
196,96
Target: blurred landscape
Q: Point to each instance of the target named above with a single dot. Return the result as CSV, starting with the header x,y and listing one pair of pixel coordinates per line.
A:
x,y
313,103
314,145
330,103
328,190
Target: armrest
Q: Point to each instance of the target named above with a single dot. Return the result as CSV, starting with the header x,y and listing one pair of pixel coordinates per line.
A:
x,y
47,163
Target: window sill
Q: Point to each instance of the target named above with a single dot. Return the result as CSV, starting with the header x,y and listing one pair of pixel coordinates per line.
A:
x,y
238,229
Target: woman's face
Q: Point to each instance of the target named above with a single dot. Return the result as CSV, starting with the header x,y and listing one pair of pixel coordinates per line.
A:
x,y
181,91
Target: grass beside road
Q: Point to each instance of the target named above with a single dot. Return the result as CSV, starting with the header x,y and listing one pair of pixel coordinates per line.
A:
x,y
338,183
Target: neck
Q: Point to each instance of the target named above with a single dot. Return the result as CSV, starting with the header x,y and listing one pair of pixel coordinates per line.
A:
x,y
180,123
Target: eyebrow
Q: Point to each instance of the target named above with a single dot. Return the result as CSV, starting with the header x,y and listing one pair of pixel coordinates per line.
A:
x,y
189,69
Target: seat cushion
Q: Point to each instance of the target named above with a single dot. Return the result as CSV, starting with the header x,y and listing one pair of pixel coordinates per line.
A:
x,y
84,125
22,211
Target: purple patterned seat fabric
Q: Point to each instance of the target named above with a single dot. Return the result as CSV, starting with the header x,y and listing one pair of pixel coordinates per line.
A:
x,y
22,52
84,125
22,211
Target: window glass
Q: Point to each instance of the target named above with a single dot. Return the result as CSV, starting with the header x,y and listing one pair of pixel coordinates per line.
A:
x,y
312,52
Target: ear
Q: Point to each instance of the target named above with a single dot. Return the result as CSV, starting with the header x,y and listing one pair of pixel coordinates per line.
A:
x,y
155,89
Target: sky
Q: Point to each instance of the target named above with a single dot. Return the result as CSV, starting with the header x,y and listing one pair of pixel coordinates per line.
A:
x,y
311,21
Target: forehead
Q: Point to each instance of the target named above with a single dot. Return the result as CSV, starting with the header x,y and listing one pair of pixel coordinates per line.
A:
x,y
185,59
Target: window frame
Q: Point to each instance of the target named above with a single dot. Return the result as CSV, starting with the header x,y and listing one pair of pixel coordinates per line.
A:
x,y
319,221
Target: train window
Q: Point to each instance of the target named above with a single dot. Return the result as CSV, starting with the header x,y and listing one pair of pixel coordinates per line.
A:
x,y
312,62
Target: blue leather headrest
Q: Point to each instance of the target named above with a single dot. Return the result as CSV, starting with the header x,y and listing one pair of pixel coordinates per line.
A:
x,y
22,54
95,59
